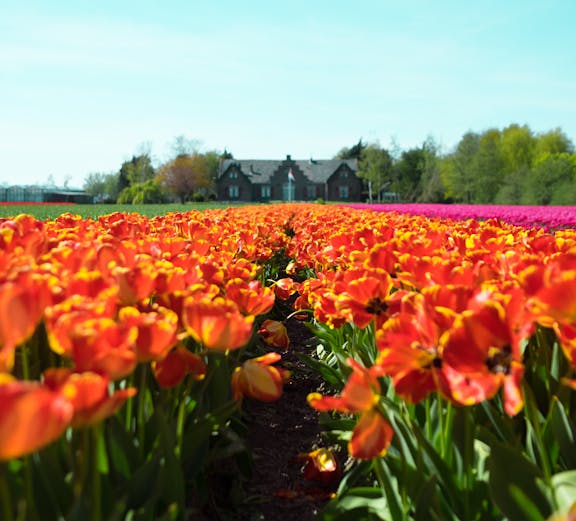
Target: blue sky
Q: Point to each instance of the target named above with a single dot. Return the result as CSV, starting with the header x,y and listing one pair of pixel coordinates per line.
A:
x,y
85,85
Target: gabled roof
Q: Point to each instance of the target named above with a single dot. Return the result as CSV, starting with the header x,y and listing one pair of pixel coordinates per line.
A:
x,y
261,170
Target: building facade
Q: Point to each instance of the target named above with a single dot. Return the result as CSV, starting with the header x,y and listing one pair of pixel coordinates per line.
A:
x,y
43,194
257,180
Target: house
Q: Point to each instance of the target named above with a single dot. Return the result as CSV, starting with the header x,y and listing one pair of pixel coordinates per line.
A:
x,y
257,180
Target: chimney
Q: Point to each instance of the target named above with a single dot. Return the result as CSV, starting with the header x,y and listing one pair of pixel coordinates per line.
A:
x,y
288,157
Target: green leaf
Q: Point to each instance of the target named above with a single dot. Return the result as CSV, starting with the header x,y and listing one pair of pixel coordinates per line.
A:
x,y
426,504
44,500
101,454
353,476
500,423
171,482
391,489
143,484
436,466
361,503
123,455
332,376
53,475
511,472
529,510
561,431
564,485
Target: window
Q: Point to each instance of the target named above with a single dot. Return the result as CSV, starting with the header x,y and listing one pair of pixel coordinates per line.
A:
x,y
311,192
233,191
233,174
343,191
344,174
265,191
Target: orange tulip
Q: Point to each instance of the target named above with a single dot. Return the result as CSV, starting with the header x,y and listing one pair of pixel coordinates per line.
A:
x,y
258,378
179,363
410,347
156,331
251,297
285,288
551,290
321,465
96,344
217,324
372,434
484,351
362,297
62,317
134,284
22,301
23,233
88,393
361,392
31,416
274,333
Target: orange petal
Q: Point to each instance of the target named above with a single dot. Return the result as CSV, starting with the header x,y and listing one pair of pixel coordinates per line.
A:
x,y
31,416
274,333
371,436
180,362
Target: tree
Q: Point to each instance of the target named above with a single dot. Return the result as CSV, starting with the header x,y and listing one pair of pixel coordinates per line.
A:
x,y
183,146
517,148
408,174
512,188
431,182
213,160
354,152
489,167
552,142
187,174
375,166
460,169
104,187
549,180
138,170
148,192
226,155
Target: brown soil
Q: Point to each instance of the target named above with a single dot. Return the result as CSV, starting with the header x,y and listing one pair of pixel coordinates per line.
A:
x,y
277,433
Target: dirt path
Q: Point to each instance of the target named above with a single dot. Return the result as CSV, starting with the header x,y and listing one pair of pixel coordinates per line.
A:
x,y
278,432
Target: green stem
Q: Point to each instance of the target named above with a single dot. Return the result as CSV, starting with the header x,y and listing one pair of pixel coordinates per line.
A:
x,y
81,451
442,426
531,415
141,413
25,361
31,513
447,431
398,511
428,425
96,511
129,406
180,426
5,496
468,459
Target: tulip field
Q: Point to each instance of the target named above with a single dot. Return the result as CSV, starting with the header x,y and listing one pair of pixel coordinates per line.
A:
x,y
130,344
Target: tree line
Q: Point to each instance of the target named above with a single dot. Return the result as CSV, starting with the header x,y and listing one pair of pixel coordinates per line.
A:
x,y
510,166
513,165
189,175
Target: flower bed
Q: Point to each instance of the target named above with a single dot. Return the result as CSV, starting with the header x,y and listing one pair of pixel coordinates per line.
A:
x,y
548,217
128,344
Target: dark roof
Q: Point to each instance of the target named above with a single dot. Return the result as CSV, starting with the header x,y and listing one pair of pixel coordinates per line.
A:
x,y
261,170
